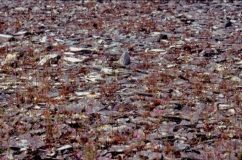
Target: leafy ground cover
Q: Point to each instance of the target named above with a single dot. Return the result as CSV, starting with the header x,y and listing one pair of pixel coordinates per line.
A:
x,y
120,80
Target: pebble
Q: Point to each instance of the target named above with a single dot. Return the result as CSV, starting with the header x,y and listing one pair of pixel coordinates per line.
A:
x,y
107,71
223,106
157,50
232,111
88,50
64,147
10,57
21,9
72,59
46,58
235,79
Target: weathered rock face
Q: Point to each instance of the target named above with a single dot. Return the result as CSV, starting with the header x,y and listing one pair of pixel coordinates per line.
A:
x,y
120,79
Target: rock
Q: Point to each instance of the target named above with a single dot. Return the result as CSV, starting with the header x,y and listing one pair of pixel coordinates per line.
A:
x,y
84,93
231,111
21,9
235,79
21,32
124,59
43,39
23,144
219,67
228,24
69,53
181,146
157,50
93,76
85,50
87,94
224,106
72,59
36,9
47,58
65,147
107,71
10,58
5,38
119,148
89,105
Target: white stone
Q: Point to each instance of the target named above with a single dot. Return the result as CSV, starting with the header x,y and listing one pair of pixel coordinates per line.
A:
x,y
10,57
107,71
46,58
157,50
72,59
64,147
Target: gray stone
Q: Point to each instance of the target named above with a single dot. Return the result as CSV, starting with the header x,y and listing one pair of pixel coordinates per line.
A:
x,y
124,59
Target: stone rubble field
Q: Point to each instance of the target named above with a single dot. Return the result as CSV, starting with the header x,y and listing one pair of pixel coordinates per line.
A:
x,y
120,80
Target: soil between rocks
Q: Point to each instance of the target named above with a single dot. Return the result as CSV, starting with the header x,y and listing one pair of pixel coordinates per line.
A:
x,y
68,93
